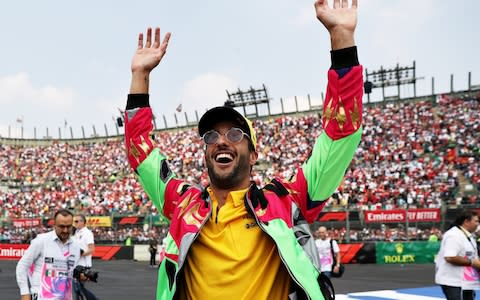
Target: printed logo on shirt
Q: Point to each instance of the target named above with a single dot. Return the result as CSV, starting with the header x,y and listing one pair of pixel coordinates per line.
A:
x,y
50,273
55,273
49,260
55,284
60,264
62,274
470,274
249,223
71,261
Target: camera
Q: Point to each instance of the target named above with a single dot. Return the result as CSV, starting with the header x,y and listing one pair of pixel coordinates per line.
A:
x,y
87,272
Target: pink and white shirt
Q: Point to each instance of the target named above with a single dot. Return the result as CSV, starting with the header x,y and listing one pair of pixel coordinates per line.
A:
x,y
53,262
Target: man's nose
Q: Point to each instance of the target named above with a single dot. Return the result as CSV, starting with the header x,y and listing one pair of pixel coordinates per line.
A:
x,y
222,139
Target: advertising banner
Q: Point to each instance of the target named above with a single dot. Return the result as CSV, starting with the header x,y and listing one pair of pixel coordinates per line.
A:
x,y
133,220
399,215
156,220
406,252
16,251
361,253
338,216
99,221
424,215
332,216
12,251
27,222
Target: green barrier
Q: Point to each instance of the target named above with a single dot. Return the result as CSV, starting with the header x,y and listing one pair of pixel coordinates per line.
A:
x,y
406,252
156,220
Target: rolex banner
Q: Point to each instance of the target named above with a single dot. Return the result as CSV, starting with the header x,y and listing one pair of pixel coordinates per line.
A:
x,y
406,252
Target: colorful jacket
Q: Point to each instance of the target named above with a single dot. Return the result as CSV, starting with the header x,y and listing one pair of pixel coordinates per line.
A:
x,y
282,209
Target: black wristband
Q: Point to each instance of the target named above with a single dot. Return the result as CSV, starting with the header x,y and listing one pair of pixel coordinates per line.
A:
x,y
137,100
344,58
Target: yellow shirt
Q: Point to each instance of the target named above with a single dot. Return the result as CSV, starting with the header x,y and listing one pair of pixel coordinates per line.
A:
x,y
233,258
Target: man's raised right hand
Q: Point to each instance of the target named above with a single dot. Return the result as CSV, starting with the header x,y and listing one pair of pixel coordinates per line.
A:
x,y
146,58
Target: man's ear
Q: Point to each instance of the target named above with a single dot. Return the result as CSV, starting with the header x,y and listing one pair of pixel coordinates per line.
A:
x,y
253,157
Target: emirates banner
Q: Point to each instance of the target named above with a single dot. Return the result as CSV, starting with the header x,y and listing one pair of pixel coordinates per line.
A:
x,y
34,222
400,215
12,251
16,251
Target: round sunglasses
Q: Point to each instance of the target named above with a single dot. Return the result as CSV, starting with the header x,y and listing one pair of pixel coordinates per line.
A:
x,y
233,135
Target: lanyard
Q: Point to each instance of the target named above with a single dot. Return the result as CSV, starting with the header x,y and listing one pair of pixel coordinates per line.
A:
x,y
469,240
62,247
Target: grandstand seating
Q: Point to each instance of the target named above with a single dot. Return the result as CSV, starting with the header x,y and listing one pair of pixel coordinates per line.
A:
x,y
420,154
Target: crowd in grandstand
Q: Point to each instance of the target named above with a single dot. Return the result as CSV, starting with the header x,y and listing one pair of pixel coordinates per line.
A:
x,y
412,154
139,235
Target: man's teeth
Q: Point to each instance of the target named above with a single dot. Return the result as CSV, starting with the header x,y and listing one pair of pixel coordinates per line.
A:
x,y
224,156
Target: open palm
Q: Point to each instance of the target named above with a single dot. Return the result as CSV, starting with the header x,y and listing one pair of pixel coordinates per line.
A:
x,y
340,17
148,56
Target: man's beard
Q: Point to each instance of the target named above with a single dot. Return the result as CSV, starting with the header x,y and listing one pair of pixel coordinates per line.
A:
x,y
63,236
232,179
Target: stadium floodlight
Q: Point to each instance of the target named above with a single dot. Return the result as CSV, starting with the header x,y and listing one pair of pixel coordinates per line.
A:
x,y
397,76
245,98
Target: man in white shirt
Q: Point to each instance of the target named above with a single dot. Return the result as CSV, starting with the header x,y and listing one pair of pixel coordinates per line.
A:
x,y
457,263
53,256
85,238
328,263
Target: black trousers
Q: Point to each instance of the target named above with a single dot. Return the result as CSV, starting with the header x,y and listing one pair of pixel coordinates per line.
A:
x,y
80,292
152,257
456,293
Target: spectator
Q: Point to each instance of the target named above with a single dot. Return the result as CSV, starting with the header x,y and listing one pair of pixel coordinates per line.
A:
x,y
54,255
457,262
152,249
85,238
326,246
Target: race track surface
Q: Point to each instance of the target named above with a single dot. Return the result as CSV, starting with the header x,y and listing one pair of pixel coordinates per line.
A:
x,y
122,280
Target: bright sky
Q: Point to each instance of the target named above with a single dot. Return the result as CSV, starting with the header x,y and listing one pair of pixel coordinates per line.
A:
x,y
70,60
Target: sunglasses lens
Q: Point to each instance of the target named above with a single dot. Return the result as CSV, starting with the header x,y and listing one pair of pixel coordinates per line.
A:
x,y
235,135
210,137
